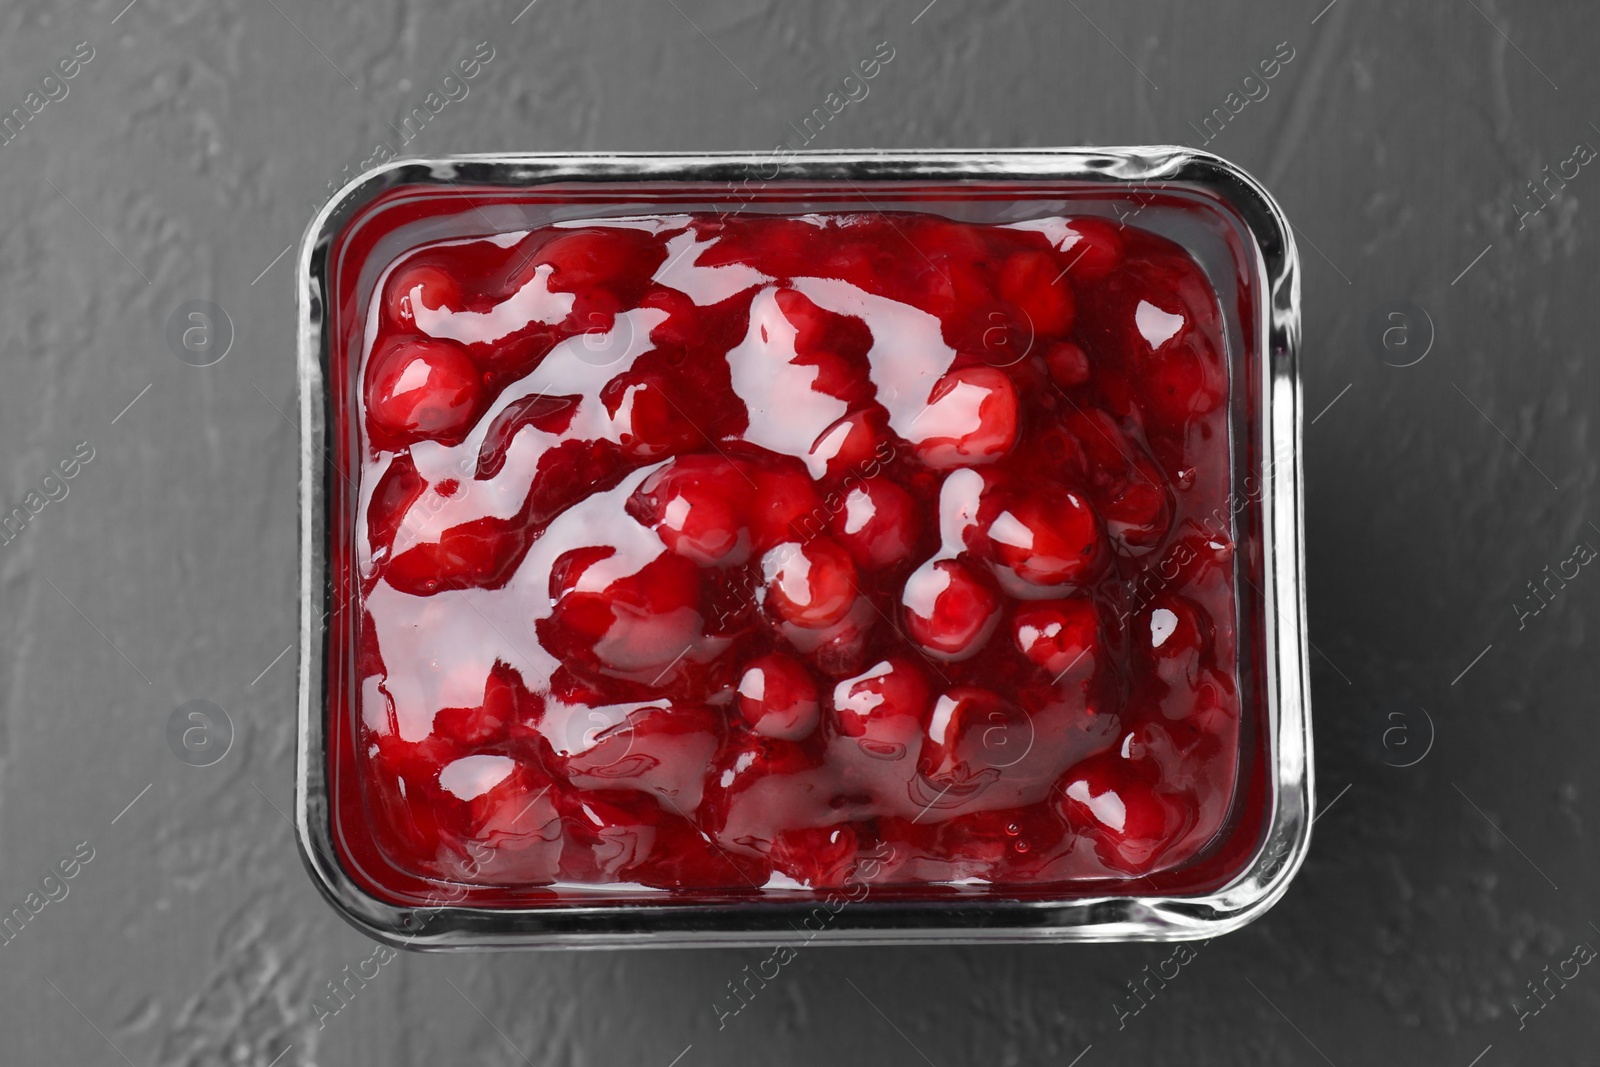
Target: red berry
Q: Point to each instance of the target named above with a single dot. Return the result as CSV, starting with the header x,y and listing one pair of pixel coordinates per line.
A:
x,y
408,812
1201,713
686,858
884,707
605,834
949,612
970,419
1033,281
1156,339
974,732
857,445
945,276
431,287
778,697
1069,365
1139,516
1184,381
1094,250
1115,802
697,504
1127,487
1175,637
811,584
1197,561
958,292
877,523
419,388
760,786
1041,539
1059,636
644,625
785,501
838,650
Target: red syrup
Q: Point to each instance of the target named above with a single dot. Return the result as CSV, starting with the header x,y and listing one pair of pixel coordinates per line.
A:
x,y
703,554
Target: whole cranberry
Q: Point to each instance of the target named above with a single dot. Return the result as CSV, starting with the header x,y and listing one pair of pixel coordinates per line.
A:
x,y
758,787
1041,539
1060,636
839,650
419,285
970,419
1068,363
1185,380
960,294
643,625
949,612
698,505
884,707
1175,636
1139,516
855,445
785,503
811,584
971,731
1033,281
778,697
1198,561
1116,802
1093,250
419,388
1202,714
1156,338
877,522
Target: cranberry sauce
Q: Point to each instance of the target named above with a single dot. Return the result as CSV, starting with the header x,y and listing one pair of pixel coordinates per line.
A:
x,y
715,553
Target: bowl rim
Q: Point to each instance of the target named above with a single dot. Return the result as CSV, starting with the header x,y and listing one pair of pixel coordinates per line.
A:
x,y
1284,662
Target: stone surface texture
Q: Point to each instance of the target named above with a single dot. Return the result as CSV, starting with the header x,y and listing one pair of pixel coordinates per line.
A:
x,y
194,147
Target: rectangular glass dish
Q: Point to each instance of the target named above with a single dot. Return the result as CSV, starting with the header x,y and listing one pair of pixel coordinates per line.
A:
x,y
883,547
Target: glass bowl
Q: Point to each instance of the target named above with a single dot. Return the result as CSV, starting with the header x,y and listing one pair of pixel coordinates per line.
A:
x,y
1225,222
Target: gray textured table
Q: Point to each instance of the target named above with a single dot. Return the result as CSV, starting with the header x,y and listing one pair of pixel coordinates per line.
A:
x,y
190,147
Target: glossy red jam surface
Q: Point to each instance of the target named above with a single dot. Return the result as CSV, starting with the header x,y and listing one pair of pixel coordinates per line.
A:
x,y
716,553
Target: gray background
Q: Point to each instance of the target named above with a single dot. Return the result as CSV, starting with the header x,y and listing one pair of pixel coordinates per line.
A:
x,y
194,148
